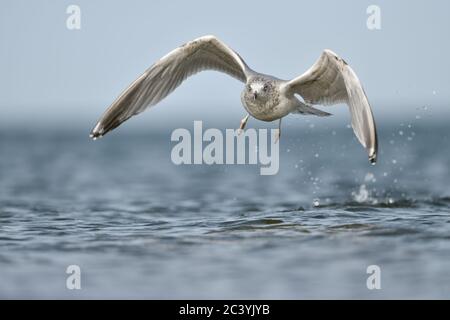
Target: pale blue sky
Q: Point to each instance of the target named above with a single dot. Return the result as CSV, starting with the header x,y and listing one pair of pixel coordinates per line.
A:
x,y
49,73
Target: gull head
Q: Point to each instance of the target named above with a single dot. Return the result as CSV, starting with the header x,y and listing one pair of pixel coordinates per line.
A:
x,y
259,90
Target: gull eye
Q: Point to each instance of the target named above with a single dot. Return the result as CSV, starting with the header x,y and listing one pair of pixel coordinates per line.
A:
x,y
249,88
265,87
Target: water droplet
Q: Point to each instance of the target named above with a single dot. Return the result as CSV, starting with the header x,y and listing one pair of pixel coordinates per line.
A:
x,y
370,177
316,202
391,201
400,132
394,161
316,155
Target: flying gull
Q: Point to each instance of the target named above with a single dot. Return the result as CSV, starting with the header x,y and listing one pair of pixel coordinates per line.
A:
x,y
329,81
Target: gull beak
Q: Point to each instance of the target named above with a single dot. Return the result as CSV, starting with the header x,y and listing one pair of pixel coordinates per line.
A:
x,y
255,95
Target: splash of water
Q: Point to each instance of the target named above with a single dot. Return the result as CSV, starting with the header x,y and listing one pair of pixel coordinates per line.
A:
x,y
362,195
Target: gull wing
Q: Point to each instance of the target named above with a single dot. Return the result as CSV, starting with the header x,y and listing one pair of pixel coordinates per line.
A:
x,y
330,81
205,53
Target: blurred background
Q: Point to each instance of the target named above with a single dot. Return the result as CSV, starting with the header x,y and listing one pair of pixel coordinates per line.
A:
x,y
58,74
141,227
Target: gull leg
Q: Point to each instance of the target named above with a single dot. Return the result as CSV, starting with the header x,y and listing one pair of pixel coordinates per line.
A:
x,y
243,124
278,133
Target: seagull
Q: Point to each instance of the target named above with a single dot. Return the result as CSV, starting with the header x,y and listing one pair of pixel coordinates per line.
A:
x,y
329,81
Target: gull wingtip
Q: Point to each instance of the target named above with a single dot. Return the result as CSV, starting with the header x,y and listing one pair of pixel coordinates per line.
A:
x,y
97,132
373,158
